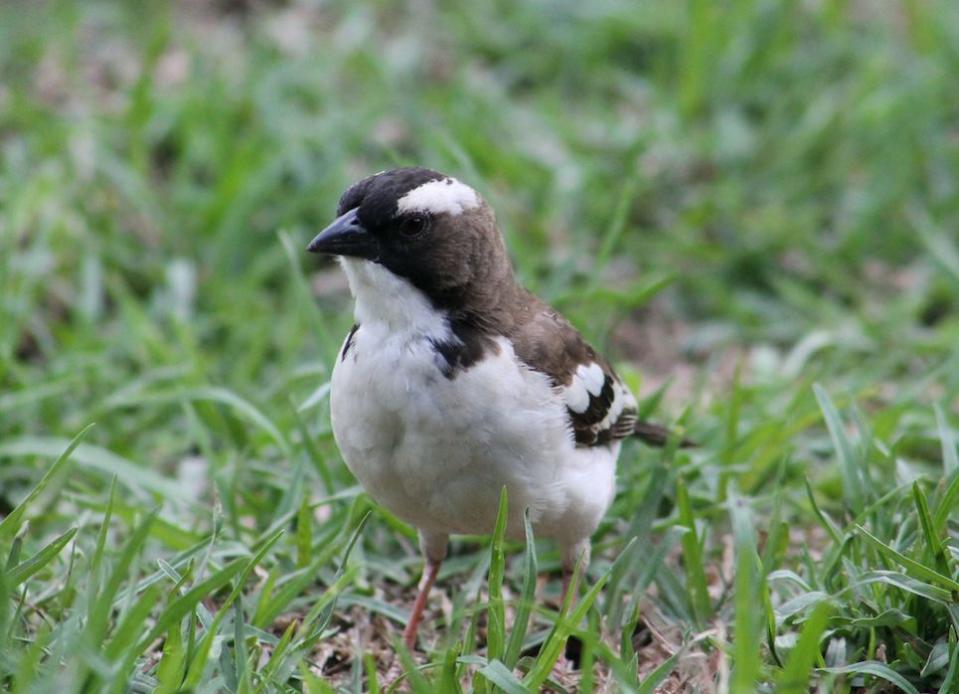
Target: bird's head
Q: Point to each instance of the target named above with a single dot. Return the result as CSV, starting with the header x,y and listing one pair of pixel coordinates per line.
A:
x,y
422,226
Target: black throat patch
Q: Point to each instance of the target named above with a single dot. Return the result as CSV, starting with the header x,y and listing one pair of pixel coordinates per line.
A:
x,y
349,341
467,346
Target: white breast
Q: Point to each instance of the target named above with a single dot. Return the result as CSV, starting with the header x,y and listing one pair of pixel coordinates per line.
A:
x,y
436,451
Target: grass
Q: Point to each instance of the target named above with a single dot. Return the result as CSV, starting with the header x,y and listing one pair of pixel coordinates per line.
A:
x,y
750,205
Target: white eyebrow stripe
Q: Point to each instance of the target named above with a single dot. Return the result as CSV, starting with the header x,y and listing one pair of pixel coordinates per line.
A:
x,y
445,195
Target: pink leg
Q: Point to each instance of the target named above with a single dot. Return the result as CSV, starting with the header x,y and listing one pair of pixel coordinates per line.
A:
x,y
429,578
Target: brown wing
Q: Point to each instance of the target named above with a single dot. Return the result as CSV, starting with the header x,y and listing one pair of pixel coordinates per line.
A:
x,y
601,408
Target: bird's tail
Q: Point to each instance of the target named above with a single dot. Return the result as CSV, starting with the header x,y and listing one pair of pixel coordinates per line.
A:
x,y
659,436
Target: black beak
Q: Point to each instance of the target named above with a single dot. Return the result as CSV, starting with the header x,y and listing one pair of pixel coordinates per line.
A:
x,y
346,236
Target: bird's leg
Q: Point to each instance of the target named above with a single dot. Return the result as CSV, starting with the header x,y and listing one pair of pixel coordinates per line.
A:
x,y
433,547
426,583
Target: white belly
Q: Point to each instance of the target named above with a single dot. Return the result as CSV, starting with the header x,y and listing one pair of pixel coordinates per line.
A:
x,y
436,451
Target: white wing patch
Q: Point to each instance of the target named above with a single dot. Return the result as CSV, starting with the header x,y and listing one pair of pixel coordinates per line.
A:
x,y
446,195
576,396
587,381
592,377
601,408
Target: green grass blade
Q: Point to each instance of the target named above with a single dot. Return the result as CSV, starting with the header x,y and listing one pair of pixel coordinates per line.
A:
x,y
294,586
133,476
933,543
170,668
749,610
198,664
874,669
99,612
372,676
124,636
304,533
794,678
241,405
315,457
659,673
313,684
950,682
903,582
24,570
616,225
824,520
496,620
950,457
411,673
180,607
102,535
942,251
526,598
693,558
448,683
29,672
11,524
566,622
913,568
266,675
853,485
501,676
241,655
5,599
321,613
947,505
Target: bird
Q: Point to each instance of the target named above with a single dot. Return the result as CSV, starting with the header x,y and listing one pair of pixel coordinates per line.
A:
x,y
455,381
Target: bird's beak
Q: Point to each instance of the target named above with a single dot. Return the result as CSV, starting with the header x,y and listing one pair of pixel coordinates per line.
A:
x,y
345,236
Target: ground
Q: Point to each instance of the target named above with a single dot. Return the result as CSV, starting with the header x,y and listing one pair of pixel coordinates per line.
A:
x,y
749,205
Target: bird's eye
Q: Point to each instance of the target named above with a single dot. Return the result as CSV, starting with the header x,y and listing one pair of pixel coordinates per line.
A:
x,y
414,225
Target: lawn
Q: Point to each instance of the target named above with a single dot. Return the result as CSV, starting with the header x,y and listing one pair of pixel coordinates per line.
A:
x,y
751,205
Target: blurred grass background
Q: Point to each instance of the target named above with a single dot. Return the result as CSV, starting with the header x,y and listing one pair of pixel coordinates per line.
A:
x,y
737,200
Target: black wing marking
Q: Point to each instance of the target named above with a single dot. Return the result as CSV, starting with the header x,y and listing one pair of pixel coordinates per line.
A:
x,y
610,415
